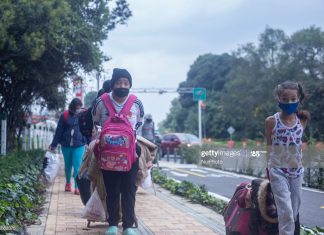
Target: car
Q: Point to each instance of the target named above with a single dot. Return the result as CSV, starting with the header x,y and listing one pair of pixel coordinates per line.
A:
x,y
173,141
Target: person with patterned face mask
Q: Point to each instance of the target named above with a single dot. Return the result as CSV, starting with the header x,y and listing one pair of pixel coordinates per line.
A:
x,y
72,142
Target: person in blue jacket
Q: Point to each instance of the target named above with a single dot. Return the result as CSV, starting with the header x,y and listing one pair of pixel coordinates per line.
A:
x,y
73,143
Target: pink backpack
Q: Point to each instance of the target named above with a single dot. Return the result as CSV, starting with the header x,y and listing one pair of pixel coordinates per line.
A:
x,y
117,148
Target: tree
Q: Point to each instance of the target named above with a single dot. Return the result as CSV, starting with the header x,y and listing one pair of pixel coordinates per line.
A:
x,y
211,72
239,86
44,42
307,52
175,119
272,43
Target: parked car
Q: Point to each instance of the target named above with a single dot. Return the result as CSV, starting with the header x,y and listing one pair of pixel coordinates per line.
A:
x,y
174,140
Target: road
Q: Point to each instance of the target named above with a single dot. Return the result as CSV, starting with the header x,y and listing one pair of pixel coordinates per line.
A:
x,y
224,184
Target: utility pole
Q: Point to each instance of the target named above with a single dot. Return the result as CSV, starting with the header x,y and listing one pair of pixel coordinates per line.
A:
x,y
98,78
199,121
182,90
4,134
199,94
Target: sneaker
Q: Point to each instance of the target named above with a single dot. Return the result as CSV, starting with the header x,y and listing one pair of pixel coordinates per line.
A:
x,y
129,231
68,187
112,230
76,191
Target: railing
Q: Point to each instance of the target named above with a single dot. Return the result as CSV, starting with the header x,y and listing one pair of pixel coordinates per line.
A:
x,y
37,137
176,157
249,162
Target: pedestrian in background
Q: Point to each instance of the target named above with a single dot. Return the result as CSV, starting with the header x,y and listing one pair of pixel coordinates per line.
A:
x,y
148,128
72,142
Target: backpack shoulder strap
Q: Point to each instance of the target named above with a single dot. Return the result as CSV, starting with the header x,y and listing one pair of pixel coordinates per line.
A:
x,y
128,105
65,116
107,102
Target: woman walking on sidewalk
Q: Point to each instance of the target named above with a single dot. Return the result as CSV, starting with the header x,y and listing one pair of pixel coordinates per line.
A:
x,y
72,142
284,132
122,111
148,128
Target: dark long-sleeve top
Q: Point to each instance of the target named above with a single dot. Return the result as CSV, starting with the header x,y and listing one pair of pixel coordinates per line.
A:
x,y
63,132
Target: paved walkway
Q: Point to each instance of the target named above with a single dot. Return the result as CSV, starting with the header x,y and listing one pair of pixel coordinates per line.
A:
x,y
155,215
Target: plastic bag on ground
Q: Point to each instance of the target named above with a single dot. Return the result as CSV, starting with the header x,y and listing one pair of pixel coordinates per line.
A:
x,y
94,209
147,183
52,168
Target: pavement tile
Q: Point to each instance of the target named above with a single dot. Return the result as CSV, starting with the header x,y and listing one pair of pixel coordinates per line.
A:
x,y
156,215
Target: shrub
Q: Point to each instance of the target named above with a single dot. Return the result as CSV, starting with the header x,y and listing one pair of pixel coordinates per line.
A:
x,y
307,231
21,189
191,154
194,193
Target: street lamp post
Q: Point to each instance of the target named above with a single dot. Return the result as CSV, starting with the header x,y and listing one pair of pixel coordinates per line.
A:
x,y
4,134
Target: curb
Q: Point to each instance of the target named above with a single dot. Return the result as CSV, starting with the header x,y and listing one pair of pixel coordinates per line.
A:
x,y
39,229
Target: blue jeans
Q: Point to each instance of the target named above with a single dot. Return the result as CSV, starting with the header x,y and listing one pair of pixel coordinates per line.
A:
x,y
72,157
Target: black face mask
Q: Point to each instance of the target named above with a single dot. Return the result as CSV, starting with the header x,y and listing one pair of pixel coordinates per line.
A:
x,y
121,92
149,120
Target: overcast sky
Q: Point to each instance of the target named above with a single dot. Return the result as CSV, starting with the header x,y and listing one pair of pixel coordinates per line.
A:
x,y
163,38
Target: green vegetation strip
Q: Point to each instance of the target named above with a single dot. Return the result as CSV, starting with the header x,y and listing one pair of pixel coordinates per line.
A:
x,y
307,231
21,190
194,193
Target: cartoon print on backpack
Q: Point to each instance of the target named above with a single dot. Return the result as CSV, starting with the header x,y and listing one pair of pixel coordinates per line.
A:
x,y
116,148
111,112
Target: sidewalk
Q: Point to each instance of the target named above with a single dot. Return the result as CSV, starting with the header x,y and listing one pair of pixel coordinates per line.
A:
x,y
155,216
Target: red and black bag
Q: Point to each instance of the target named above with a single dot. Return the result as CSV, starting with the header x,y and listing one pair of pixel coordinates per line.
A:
x,y
236,216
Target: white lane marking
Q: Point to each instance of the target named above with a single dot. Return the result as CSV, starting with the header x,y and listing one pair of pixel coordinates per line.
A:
x,y
234,175
220,176
188,172
198,170
178,174
166,169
